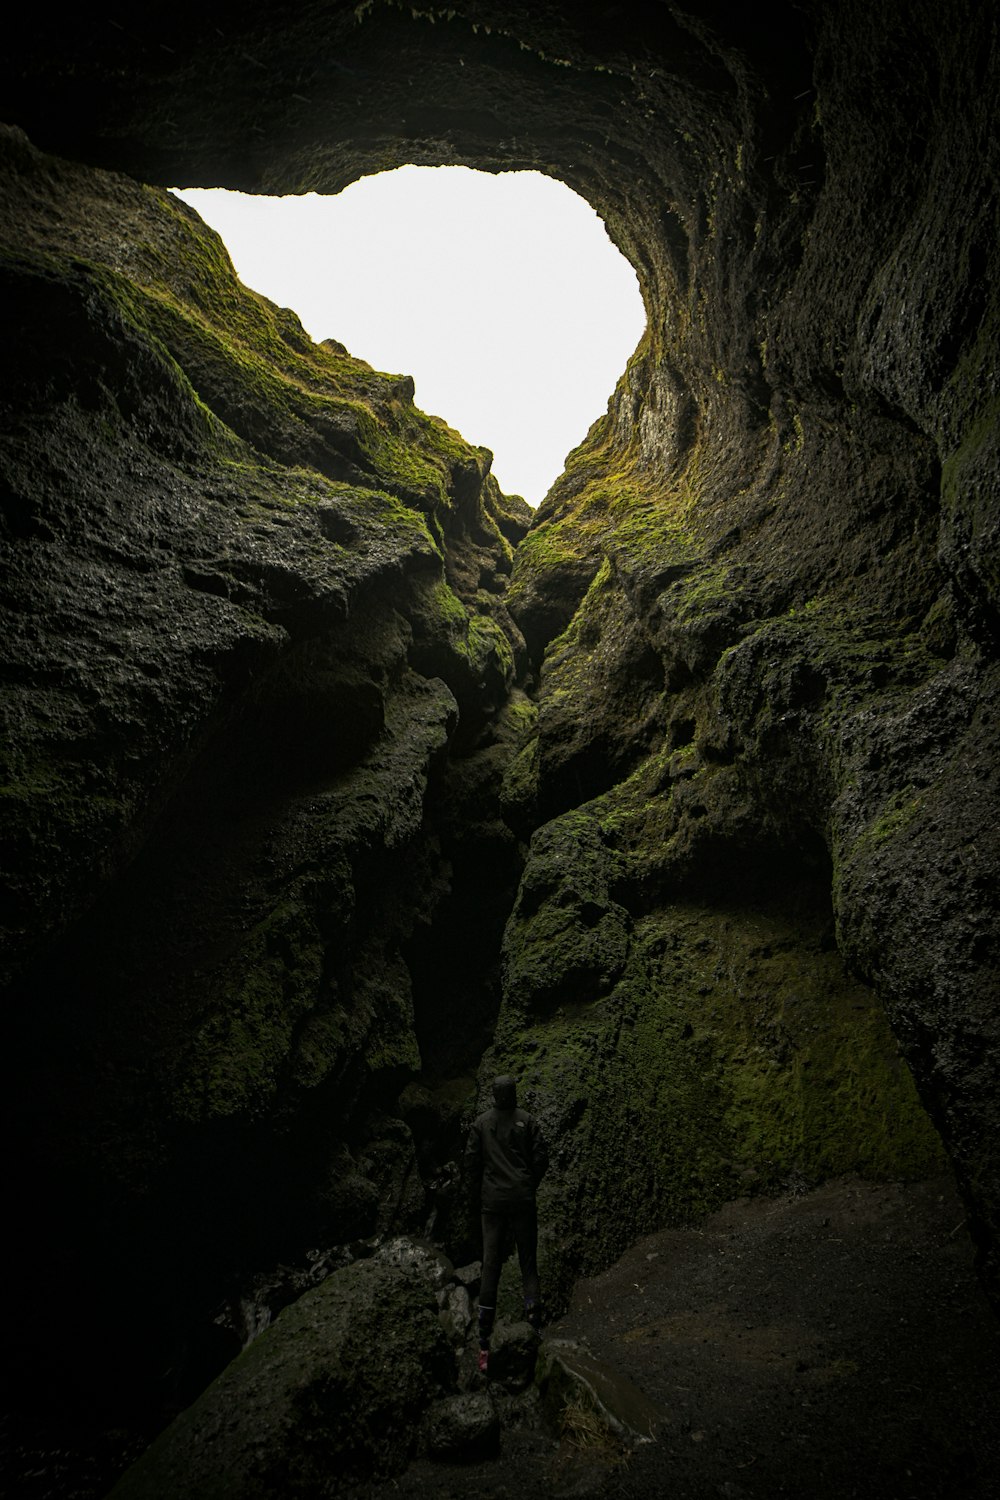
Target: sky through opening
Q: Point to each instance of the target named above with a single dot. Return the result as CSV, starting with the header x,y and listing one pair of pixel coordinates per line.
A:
x,y
502,296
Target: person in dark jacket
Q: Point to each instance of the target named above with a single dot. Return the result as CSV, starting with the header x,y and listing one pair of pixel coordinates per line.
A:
x,y
506,1158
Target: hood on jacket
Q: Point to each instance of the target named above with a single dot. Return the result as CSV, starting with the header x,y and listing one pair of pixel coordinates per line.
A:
x,y
505,1092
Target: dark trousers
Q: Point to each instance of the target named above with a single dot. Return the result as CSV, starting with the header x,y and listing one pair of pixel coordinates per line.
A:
x,y
522,1220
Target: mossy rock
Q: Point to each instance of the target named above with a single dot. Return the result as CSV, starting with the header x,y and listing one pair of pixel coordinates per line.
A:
x,y
333,1390
731,1052
567,937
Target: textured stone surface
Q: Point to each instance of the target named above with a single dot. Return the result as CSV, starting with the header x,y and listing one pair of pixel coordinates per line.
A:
x,y
513,1355
253,606
334,1389
258,750
463,1428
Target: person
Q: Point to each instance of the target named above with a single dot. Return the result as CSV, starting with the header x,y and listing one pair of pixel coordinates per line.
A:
x,y
506,1158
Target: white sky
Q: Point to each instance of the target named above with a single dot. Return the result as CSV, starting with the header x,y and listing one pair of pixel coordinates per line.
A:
x,y
502,296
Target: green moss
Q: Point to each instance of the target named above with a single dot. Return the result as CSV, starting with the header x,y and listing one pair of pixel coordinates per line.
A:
x,y
517,729
249,363
899,811
521,716
234,1058
488,648
638,818
422,468
382,997
469,651
444,610
54,798
307,1399
520,786
25,781
707,590
815,1082
969,498
732,1050
614,503
808,608
796,442
600,488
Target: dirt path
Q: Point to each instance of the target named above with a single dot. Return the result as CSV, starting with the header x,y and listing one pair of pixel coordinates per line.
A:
x,y
828,1344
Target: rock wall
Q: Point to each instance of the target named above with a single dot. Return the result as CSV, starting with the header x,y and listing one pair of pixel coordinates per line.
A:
x,y
805,642
262,652
257,661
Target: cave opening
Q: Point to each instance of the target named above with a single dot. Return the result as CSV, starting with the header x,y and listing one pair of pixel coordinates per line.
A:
x,y
501,295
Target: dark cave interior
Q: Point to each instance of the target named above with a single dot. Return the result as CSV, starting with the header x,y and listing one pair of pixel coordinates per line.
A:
x,y
334,780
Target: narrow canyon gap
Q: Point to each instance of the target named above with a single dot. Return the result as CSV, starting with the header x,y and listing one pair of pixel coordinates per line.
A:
x,y
335,780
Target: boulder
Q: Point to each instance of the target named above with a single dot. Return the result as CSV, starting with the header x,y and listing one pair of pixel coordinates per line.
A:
x,y
334,1389
463,1428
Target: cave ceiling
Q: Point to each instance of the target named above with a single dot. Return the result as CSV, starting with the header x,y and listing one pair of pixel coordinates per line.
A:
x,y
628,105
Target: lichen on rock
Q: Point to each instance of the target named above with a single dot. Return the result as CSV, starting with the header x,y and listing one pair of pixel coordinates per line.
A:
x,y
333,780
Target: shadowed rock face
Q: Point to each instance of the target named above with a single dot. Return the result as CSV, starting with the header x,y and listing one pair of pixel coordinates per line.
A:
x,y
257,662
264,658
302,1409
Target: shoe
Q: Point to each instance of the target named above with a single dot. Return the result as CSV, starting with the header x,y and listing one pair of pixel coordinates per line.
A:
x,y
484,1361
533,1313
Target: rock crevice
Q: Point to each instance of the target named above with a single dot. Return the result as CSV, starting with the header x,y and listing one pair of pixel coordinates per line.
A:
x,y
331,774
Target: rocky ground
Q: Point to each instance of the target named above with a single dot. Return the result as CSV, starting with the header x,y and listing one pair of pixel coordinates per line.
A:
x,y
825,1343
